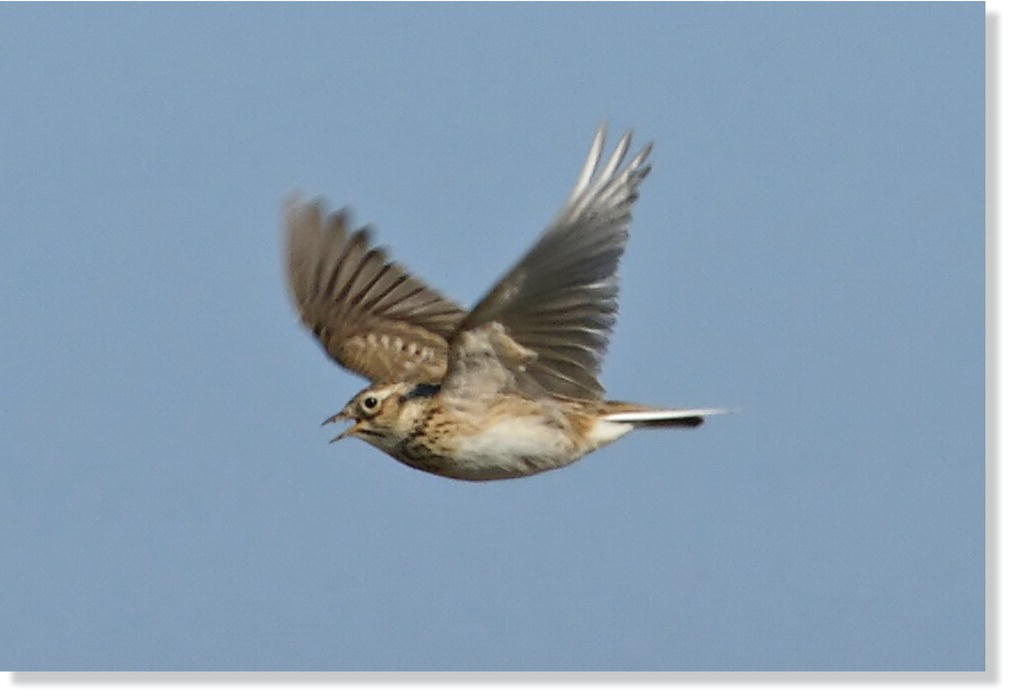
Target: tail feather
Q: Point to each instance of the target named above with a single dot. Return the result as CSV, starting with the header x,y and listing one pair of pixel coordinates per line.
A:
x,y
647,417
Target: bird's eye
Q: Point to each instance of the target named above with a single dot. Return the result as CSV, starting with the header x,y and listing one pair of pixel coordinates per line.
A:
x,y
369,403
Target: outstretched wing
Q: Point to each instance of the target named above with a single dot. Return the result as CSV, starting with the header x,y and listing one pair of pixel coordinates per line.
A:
x,y
559,301
369,314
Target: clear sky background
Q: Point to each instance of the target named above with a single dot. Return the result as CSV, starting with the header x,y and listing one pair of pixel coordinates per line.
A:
x,y
809,248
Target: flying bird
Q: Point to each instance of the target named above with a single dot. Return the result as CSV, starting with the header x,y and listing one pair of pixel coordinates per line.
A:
x,y
507,389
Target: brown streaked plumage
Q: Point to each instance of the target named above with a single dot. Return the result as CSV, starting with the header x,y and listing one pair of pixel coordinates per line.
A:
x,y
508,389
370,315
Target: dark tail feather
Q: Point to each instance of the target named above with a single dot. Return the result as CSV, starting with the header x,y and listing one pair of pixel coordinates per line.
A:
x,y
646,417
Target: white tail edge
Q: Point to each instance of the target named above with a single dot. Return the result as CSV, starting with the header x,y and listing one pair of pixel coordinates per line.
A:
x,y
663,415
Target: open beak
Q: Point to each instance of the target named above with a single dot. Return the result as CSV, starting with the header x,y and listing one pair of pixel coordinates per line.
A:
x,y
349,431
343,415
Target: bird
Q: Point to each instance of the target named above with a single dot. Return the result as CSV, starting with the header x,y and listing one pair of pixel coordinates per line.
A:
x,y
508,389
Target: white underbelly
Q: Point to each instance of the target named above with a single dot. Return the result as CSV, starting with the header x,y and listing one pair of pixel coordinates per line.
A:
x,y
514,447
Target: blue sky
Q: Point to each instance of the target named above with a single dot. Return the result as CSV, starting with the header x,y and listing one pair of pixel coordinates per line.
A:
x,y
809,248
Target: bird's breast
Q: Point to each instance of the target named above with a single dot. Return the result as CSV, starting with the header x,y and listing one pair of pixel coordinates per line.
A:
x,y
496,444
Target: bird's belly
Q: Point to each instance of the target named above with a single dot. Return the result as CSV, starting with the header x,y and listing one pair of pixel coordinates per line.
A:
x,y
510,448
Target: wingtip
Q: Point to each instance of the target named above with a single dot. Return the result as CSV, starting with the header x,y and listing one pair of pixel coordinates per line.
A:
x,y
293,206
644,153
591,163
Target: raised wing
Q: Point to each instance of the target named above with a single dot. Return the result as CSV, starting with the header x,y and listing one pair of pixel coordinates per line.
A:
x,y
559,302
369,314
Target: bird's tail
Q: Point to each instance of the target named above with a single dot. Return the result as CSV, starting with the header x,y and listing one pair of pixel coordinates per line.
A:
x,y
640,416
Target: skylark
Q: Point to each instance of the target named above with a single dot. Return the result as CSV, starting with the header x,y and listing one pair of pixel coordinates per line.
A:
x,y
508,389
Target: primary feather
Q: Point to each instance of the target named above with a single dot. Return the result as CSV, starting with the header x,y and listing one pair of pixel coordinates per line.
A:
x,y
560,300
369,314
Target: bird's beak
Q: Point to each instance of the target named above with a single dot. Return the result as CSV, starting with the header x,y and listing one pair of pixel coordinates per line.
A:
x,y
343,415
350,431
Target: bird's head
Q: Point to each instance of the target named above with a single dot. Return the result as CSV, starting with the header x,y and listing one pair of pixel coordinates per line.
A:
x,y
380,416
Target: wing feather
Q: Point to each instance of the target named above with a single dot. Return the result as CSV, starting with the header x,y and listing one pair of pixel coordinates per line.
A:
x,y
369,314
560,300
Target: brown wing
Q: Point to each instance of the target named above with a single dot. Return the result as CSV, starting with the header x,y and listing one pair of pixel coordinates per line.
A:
x,y
370,315
559,301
